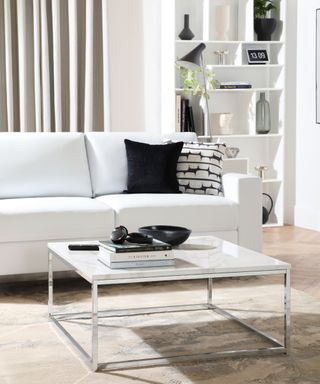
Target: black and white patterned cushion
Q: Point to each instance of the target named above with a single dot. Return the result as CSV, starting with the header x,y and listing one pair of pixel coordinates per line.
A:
x,y
199,168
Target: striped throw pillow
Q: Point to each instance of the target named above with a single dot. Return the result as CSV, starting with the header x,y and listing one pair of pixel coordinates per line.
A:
x,y
199,168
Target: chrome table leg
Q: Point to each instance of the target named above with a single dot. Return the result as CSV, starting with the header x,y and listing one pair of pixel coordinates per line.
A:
x,y
50,285
209,291
287,310
95,349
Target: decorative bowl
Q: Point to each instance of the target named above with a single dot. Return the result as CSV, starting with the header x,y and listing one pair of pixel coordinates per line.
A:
x,y
167,233
232,152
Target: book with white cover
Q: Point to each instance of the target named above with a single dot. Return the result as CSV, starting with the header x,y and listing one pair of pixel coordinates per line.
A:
x,y
134,264
111,257
156,245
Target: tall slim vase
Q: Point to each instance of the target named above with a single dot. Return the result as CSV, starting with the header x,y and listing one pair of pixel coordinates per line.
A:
x,y
263,115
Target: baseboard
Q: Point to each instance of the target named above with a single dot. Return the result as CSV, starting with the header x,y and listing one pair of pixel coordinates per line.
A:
x,y
307,217
37,276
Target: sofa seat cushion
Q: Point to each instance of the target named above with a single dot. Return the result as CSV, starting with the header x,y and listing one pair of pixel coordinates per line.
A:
x,y
200,213
54,218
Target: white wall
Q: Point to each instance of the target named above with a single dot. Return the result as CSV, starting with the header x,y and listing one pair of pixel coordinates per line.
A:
x,y
307,207
135,65
290,115
126,60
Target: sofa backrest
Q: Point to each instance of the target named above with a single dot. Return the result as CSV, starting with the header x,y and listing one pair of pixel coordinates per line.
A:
x,y
108,161
43,164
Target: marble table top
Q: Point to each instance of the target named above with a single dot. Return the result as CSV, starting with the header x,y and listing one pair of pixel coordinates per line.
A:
x,y
202,255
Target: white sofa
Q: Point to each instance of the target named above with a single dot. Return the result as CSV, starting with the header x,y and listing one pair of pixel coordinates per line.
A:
x,y
68,186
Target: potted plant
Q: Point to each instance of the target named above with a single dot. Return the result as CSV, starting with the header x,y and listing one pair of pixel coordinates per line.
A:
x,y
190,82
264,26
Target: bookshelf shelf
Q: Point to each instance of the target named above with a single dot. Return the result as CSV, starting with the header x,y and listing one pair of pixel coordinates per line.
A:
x,y
248,90
243,136
241,90
272,225
266,181
245,66
231,42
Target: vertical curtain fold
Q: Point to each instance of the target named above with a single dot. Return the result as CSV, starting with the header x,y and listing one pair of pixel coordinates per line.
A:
x,y
45,67
54,66
89,67
57,64
37,65
73,64
8,63
23,95
105,51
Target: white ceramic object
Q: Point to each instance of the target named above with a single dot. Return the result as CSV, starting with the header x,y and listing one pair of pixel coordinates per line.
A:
x,y
232,152
222,22
220,123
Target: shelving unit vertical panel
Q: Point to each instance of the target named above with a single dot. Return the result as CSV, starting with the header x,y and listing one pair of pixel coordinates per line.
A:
x,y
245,20
280,15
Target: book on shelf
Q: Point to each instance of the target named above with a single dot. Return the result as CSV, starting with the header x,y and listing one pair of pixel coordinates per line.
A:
x,y
234,85
178,113
191,127
156,245
135,264
184,115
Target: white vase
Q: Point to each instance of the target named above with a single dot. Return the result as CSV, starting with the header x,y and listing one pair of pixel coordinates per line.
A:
x,y
220,123
222,22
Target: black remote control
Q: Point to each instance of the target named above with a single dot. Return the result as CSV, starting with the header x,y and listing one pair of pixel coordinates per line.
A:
x,y
83,247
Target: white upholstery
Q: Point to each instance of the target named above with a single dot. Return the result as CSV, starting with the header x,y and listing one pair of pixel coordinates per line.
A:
x,y
54,218
199,213
46,164
108,160
46,190
246,192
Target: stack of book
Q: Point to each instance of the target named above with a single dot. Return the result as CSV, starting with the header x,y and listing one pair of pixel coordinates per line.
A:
x,y
184,115
129,255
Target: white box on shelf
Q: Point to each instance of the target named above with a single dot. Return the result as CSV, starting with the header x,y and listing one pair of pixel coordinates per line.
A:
x,y
237,165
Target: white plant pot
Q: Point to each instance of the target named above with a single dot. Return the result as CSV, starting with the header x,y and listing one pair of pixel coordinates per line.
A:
x,y
220,123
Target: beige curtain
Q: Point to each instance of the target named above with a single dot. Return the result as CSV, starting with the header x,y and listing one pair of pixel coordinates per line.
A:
x,y
54,65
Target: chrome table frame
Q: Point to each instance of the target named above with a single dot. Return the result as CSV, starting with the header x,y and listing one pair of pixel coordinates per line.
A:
x,y
92,359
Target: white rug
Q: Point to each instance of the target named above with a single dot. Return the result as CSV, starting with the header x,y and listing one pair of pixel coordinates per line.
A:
x,y
34,351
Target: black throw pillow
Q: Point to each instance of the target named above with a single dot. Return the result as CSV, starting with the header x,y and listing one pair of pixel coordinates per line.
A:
x,y
152,168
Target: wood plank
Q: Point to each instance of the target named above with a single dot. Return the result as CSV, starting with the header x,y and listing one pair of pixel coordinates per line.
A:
x,y
301,248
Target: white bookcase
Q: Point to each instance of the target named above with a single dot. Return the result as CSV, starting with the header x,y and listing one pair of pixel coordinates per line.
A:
x,y
256,149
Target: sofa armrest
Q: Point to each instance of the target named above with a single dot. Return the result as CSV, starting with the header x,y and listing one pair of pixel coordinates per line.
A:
x,y
246,191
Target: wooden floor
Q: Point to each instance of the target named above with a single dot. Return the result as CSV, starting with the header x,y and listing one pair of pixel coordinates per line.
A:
x,y
301,248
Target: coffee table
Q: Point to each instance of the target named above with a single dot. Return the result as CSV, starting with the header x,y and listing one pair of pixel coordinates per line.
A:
x,y
199,258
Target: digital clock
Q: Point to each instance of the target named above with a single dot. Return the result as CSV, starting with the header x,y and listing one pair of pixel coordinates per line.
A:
x,y
257,56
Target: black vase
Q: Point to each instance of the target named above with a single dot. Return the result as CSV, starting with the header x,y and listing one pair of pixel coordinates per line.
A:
x,y
264,28
186,33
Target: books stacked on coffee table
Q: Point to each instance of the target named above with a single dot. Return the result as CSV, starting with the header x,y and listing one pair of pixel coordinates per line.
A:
x,y
132,255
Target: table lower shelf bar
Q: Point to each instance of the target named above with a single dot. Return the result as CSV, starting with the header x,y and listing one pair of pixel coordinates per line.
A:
x,y
277,347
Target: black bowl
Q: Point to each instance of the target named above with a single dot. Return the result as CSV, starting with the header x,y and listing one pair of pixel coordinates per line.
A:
x,y
167,233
